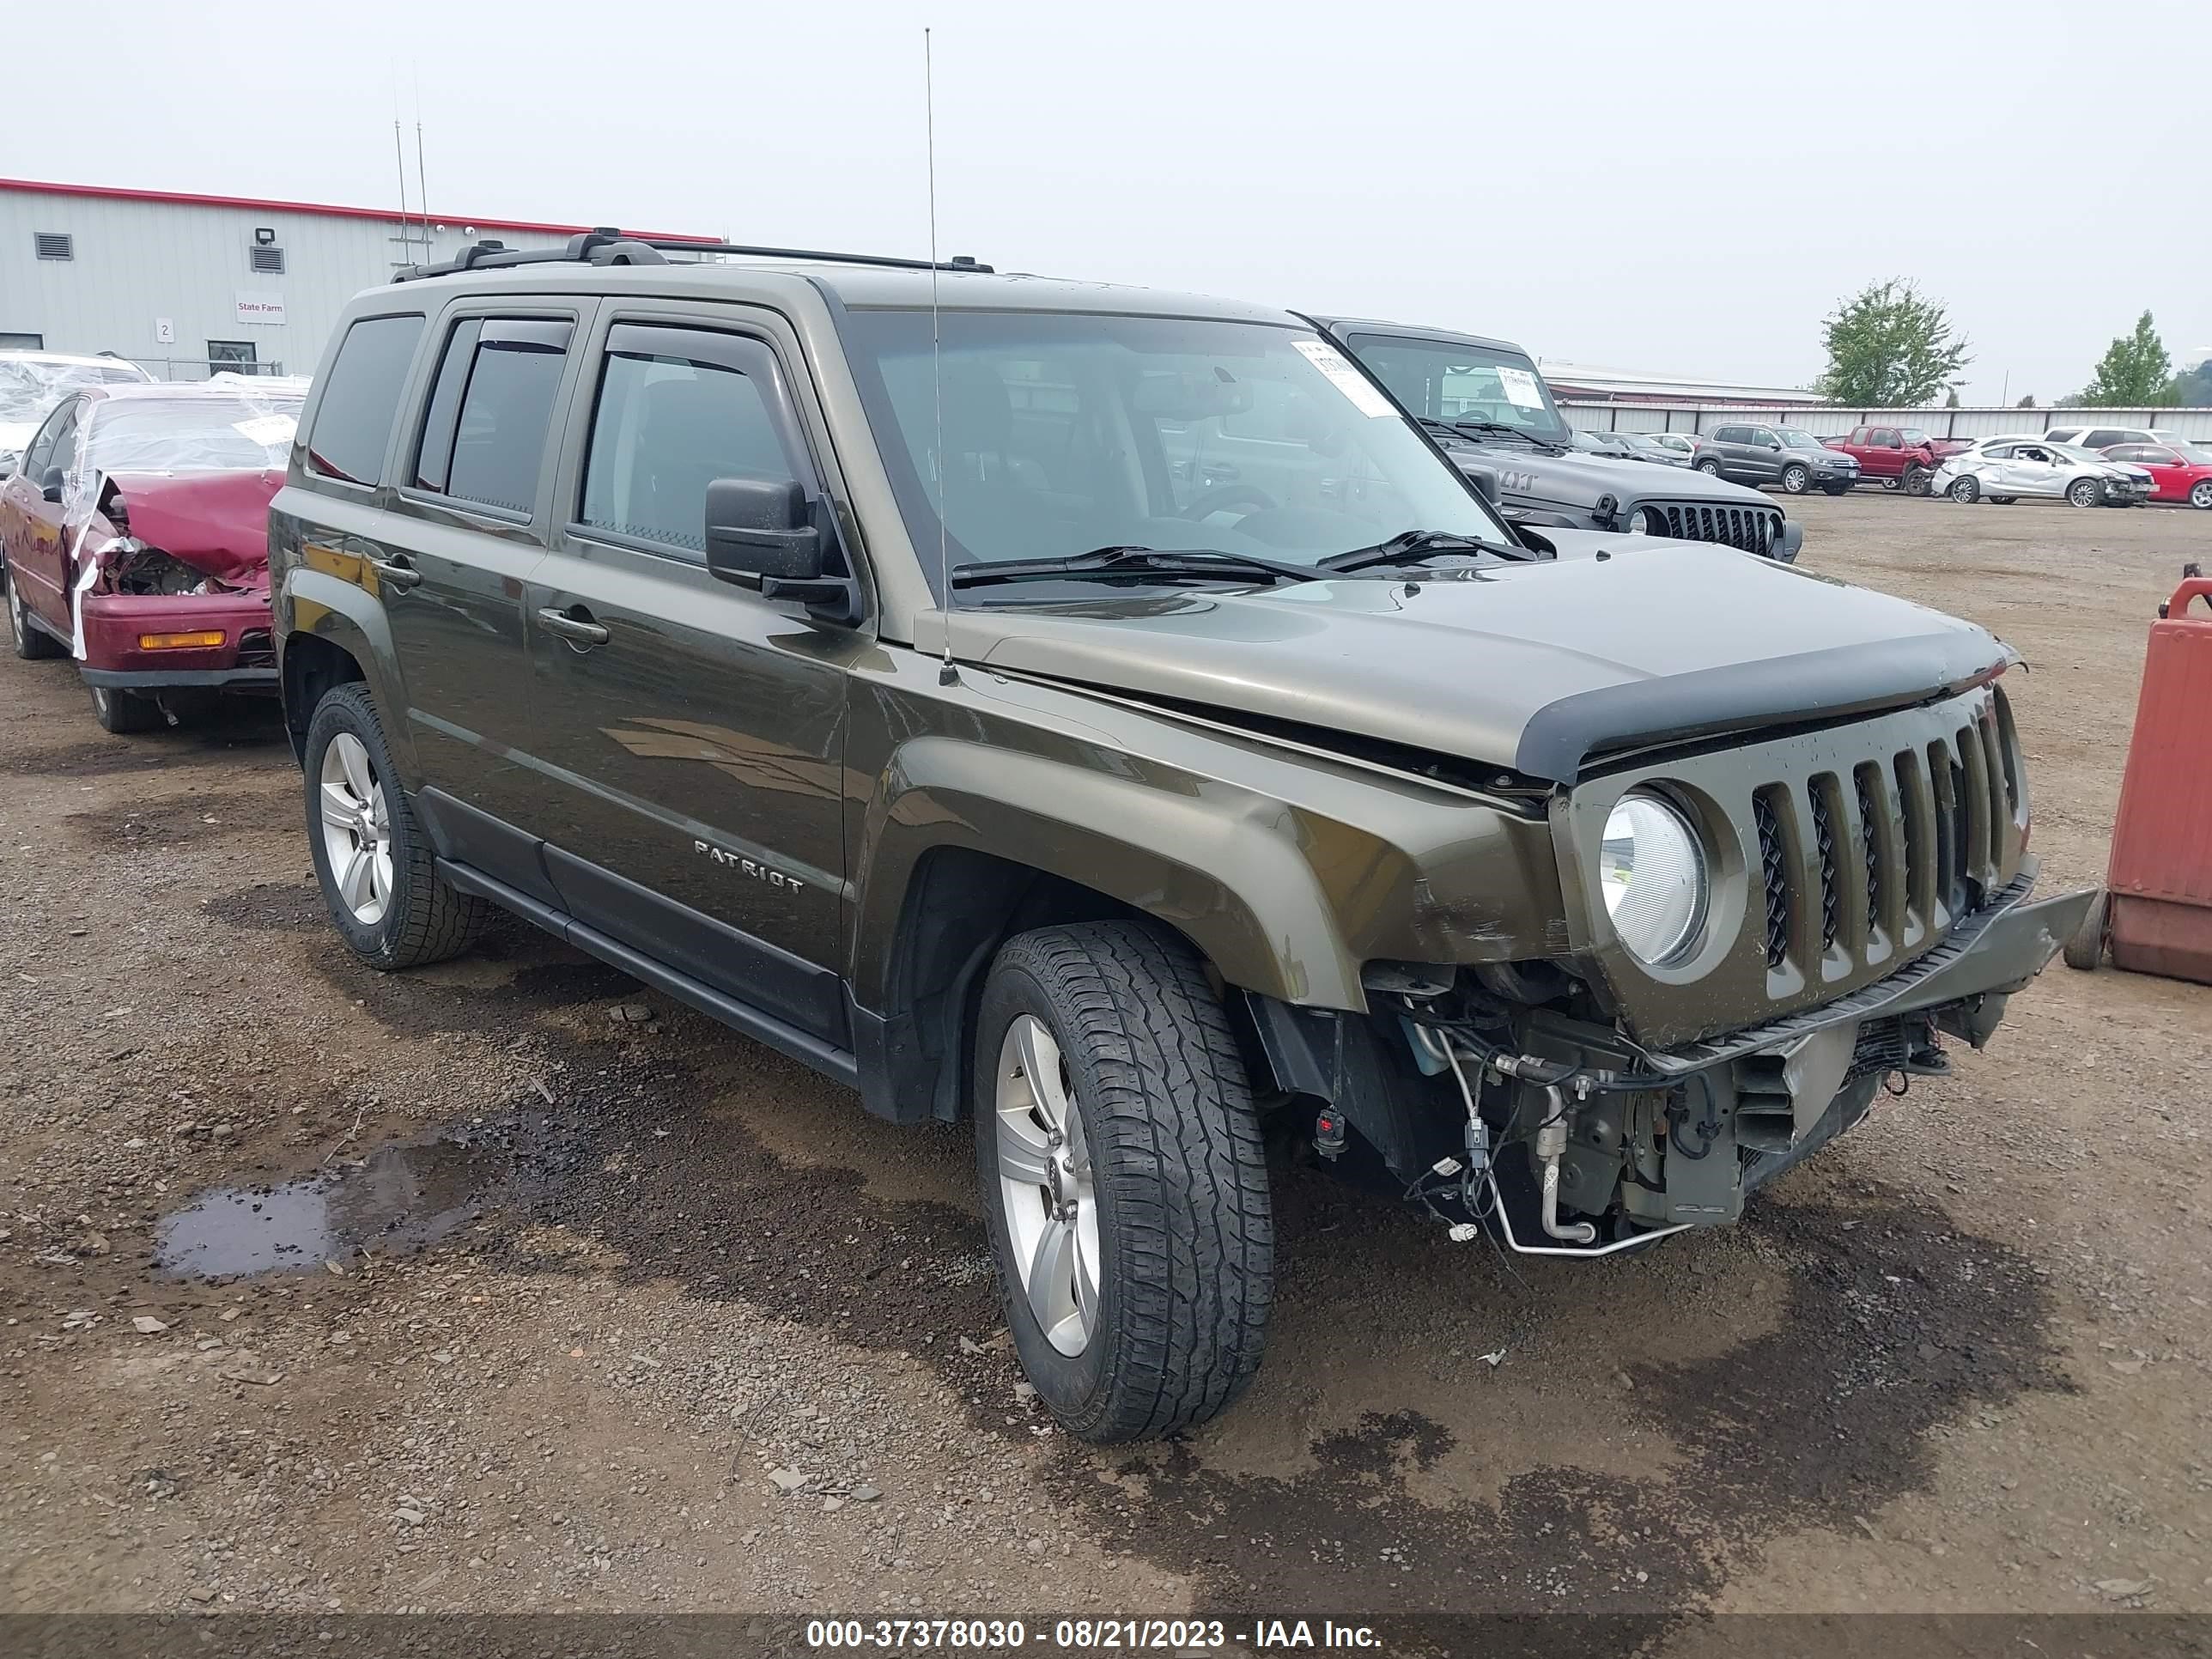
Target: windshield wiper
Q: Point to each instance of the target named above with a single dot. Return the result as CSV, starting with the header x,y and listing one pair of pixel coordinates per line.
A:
x,y
1414,547
1134,561
1464,429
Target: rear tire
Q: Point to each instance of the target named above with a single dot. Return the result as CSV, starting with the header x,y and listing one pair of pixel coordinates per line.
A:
x,y
1966,491
122,711
32,642
2085,492
388,902
1157,1188
1795,479
2085,949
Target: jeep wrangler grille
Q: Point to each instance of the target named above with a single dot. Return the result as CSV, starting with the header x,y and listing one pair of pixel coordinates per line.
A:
x,y
1929,827
1747,529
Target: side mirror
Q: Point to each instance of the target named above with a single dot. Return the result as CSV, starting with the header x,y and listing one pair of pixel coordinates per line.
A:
x,y
760,535
50,485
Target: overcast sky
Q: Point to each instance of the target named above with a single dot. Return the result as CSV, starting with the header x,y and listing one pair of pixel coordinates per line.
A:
x,y
1665,186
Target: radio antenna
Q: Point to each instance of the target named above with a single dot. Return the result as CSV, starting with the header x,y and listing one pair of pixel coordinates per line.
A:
x,y
400,155
946,674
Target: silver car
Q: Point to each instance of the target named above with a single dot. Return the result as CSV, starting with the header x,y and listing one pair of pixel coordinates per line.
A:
x,y
2004,470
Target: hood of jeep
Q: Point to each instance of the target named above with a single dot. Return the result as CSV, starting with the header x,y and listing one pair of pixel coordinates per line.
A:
x,y
1531,477
1621,642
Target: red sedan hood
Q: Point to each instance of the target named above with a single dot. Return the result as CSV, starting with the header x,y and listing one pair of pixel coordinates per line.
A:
x,y
216,522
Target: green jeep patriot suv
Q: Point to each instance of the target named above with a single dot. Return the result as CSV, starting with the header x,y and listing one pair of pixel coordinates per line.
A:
x,y
1106,715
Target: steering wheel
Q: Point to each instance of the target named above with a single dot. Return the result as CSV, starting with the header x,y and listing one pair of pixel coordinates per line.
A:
x,y
1226,495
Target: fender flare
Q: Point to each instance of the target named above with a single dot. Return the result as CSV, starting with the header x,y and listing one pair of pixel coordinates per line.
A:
x,y
325,605
1187,859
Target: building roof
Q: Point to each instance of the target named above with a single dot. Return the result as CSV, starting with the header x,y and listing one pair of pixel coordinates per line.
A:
x,y
190,198
1583,380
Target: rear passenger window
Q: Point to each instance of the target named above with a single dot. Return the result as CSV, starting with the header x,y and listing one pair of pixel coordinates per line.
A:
x,y
483,436
677,410
361,394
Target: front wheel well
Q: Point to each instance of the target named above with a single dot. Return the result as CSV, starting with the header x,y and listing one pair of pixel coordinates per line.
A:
x,y
313,668
960,907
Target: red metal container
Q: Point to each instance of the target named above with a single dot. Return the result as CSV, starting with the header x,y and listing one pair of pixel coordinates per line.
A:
x,y
2158,889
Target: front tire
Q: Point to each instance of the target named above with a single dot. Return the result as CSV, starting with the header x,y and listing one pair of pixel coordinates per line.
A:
x,y
1795,480
1966,491
1916,479
32,642
1124,1182
1711,469
2085,492
2200,495
371,856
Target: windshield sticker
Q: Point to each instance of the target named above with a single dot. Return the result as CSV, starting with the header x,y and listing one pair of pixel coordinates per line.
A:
x,y
266,429
1347,379
1521,388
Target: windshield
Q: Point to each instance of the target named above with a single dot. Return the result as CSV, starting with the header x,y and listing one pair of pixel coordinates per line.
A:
x,y
29,387
1063,433
199,434
1447,381
1796,438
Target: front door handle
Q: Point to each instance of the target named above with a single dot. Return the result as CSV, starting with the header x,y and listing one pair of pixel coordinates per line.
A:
x,y
396,573
580,628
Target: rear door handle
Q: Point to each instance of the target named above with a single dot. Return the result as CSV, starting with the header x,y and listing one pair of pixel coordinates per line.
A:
x,y
581,629
396,573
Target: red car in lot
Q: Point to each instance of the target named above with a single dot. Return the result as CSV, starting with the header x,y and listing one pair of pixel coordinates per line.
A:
x,y
2178,472
136,540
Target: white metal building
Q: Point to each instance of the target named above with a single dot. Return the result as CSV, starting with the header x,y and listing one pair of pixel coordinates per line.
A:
x,y
187,284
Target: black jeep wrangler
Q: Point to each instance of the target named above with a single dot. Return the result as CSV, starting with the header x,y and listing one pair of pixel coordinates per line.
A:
x,y
1485,402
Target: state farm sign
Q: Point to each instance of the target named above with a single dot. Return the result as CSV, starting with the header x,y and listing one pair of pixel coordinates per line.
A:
x,y
266,309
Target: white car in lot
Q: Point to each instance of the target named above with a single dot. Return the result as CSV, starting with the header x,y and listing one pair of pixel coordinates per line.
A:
x,y
2004,470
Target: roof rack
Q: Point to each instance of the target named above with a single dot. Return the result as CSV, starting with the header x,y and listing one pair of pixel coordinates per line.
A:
x,y
609,246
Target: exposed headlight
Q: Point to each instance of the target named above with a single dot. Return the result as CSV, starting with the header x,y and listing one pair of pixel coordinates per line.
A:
x,y
1639,522
1651,870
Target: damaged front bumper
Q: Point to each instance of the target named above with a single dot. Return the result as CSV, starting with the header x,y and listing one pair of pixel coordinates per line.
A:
x,y
1527,1116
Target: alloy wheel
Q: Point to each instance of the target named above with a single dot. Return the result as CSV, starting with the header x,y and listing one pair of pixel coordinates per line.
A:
x,y
2200,494
356,828
2085,492
1795,478
1046,1186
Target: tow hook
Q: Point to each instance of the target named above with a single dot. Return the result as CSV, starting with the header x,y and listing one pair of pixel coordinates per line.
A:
x,y
1550,1145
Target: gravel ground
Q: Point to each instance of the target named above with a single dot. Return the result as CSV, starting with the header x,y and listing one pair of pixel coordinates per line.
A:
x,y
580,1302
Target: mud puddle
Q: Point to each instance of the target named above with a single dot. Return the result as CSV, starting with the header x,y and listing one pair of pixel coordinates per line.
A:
x,y
397,1199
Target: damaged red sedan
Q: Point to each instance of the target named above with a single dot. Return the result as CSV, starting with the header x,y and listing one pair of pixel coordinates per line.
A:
x,y
136,539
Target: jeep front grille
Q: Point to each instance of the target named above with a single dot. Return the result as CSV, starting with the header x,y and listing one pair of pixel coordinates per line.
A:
x,y
1747,529
1861,861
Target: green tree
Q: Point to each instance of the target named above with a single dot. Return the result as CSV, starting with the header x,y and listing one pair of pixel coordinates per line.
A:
x,y
2028,402
2193,390
1889,347
2136,373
